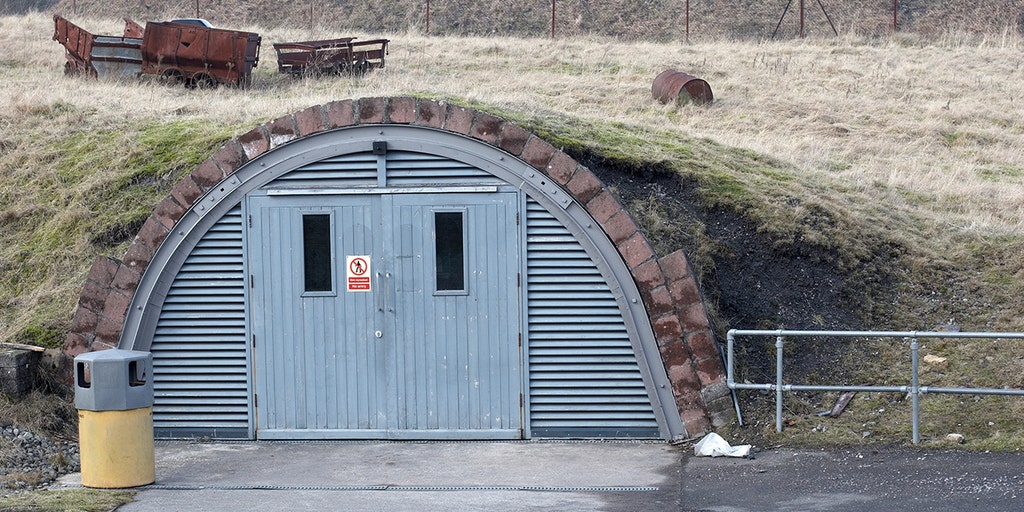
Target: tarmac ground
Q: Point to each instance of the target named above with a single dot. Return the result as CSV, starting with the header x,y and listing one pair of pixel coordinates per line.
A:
x,y
569,476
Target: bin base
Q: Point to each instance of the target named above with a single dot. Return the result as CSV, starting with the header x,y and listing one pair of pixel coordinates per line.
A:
x,y
116,448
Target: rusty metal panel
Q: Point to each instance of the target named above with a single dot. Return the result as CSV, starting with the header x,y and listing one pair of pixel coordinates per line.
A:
x,y
330,56
673,86
98,56
132,29
199,55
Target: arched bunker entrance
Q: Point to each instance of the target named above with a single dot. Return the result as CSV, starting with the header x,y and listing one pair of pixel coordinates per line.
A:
x,y
401,268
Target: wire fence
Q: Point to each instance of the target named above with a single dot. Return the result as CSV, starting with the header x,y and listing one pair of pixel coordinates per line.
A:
x,y
658,20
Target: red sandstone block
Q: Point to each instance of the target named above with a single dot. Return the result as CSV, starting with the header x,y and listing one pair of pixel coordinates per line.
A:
x,y
208,174
685,291
116,307
75,344
697,426
103,270
402,110
230,157
138,256
254,143
513,138
281,131
186,192
107,331
710,371
538,153
431,114
561,167
126,281
583,184
603,206
635,250
169,212
674,353
702,344
84,321
309,121
620,227
658,301
487,127
371,110
694,318
152,233
93,296
675,266
684,378
340,114
690,400
668,331
459,119
648,275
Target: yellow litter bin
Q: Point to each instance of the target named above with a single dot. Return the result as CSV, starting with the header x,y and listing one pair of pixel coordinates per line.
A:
x,y
114,398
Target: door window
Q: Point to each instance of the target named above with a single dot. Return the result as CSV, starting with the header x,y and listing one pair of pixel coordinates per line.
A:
x,y
316,246
449,242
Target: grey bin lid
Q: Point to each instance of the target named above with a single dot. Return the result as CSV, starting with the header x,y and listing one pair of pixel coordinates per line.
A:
x,y
113,380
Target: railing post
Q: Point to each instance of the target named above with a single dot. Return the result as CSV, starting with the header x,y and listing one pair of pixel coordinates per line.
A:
x,y
778,383
914,392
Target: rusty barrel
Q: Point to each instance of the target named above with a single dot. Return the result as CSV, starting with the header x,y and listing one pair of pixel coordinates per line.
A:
x,y
675,86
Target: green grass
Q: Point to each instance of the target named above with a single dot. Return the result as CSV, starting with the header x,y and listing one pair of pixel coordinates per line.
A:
x,y
72,196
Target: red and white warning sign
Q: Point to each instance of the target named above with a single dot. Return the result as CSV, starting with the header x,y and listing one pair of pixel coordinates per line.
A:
x,y
357,273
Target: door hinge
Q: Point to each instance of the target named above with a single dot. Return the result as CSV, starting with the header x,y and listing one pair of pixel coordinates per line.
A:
x,y
519,338
250,221
517,218
520,400
255,400
252,281
253,341
519,280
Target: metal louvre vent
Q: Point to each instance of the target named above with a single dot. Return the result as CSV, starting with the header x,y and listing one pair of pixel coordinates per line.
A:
x,y
352,170
200,376
406,168
584,377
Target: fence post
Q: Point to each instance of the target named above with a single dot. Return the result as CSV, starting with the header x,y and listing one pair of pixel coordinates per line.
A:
x,y
552,19
914,392
778,383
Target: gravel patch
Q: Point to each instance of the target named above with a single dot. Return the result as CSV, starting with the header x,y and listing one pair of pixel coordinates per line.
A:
x,y
30,461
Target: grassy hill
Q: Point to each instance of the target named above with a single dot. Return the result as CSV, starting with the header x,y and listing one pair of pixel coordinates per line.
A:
x,y
835,183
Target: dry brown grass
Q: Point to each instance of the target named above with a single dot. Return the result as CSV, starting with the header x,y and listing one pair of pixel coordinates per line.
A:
x,y
937,124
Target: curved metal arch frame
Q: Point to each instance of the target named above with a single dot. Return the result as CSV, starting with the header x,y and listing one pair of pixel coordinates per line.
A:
x,y
147,303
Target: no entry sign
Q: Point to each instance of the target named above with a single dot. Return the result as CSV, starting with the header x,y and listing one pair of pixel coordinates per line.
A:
x,y
357,273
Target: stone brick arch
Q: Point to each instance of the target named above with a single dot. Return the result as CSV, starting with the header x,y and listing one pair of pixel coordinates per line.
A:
x,y
667,284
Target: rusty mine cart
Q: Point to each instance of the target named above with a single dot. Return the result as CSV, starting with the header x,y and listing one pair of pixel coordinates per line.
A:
x,y
178,52
330,56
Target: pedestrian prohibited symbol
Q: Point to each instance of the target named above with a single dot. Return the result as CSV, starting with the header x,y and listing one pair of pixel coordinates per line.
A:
x,y
357,273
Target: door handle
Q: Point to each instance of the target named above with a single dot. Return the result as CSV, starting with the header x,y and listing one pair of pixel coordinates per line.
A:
x,y
379,295
387,291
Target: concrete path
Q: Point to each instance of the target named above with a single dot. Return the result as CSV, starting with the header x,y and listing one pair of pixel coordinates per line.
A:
x,y
463,476
571,476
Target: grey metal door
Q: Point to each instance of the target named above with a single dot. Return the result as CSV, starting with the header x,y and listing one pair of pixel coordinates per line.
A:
x,y
386,315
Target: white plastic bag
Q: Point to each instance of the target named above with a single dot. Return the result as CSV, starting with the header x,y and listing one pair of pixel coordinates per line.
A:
x,y
714,446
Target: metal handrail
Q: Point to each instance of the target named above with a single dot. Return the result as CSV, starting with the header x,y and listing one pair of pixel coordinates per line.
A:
x,y
914,389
